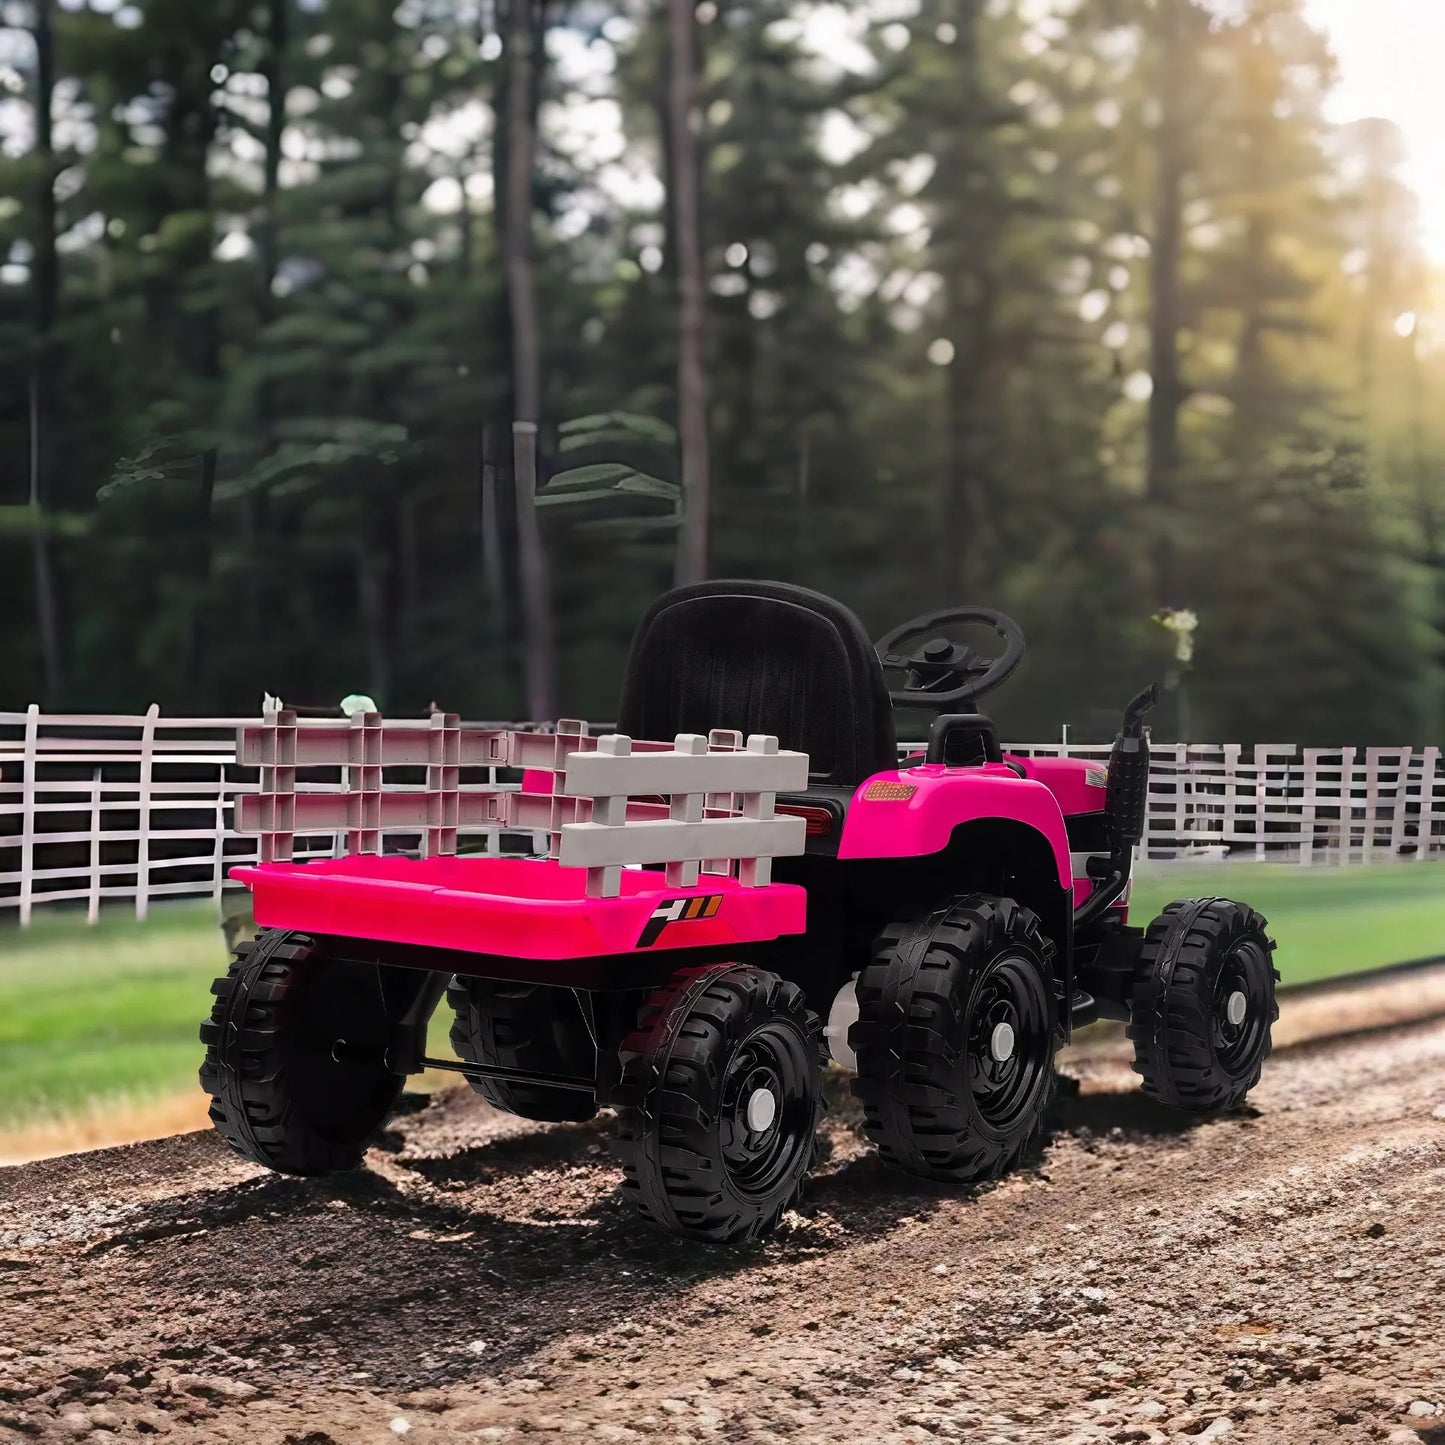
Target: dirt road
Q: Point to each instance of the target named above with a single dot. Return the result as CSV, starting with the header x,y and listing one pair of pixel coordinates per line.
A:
x,y
1271,1276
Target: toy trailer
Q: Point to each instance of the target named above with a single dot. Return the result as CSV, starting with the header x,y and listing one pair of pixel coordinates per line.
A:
x,y
717,915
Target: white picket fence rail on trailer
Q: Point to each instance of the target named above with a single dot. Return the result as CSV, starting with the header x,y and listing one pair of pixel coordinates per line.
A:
x,y
98,808
695,803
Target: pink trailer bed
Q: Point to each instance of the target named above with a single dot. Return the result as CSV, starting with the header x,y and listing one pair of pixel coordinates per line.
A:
x,y
521,908
653,846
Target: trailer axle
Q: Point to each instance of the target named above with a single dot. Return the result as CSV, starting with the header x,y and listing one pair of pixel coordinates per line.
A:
x,y
341,1051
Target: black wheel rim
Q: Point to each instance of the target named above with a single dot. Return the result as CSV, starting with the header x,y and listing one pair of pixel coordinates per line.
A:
x,y
758,1160
1009,993
1244,973
334,1050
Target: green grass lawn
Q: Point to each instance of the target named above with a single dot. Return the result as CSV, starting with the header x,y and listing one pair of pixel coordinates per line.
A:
x,y
1327,921
112,1010
110,1013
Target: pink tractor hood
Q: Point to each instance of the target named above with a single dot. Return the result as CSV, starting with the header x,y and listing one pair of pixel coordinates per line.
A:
x,y
1080,786
913,812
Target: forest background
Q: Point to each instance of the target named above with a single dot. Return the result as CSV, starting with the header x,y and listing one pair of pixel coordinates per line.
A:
x,y
412,348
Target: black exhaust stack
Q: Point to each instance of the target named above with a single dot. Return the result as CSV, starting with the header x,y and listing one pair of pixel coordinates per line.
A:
x,y
1125,808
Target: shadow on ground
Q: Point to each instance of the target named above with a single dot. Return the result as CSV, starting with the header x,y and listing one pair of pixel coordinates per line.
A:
x,y
439,1263
435,1268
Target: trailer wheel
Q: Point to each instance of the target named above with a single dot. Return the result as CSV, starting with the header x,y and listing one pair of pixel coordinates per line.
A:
x,y
718,1103
533,1027
955,1039
1203,1005
280,1095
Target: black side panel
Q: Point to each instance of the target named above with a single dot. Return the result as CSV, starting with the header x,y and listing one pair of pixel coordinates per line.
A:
x,y
1088,832
646,969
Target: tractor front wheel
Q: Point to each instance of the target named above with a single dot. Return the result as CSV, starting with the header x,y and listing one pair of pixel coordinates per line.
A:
x,y
1203,1005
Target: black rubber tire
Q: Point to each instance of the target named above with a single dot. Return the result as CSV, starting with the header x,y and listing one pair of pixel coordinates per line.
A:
x,y
533,1027
1185,1051
691,1163
278,1096
923,1077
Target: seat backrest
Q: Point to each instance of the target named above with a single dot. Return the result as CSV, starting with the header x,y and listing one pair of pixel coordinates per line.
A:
x,y
762,657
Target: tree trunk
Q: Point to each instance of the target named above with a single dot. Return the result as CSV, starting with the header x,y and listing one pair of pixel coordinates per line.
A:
x,y
1251,371
466,224
970,533
1374,203
1253,377
1165,307
47,305
198,669
969,232
692,551
494,576
273,67
258,508
1432,535
204,354
373,587
661,98
539,666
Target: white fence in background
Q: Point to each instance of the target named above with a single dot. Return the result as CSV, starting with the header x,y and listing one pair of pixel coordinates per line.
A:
x,y
98,808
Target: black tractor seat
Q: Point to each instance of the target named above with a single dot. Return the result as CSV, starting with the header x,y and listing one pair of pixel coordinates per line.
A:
x,y
762,657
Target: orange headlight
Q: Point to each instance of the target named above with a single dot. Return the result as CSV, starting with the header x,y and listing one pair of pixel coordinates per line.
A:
x,y
886,792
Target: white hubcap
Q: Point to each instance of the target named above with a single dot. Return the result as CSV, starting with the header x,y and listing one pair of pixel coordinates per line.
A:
x,y
1001,1044
1236,1008
762,1109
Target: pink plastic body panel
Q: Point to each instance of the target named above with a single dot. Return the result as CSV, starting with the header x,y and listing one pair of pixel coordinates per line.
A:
x,y
1080,787
945,798
1069,780
512,907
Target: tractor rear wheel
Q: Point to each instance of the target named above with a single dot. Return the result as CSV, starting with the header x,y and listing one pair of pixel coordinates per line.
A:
x,y
718,1103
955,1039
1203,1005
533,1027
283,1093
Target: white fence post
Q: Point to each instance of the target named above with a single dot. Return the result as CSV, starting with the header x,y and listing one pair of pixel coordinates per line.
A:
x,y
143,842
1347,806
1404,766
1183,794
92,907
1430,785
1261,803
1308,789
27,812
218,857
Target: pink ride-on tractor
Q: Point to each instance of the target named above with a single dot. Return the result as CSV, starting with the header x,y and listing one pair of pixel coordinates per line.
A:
x,y
742,880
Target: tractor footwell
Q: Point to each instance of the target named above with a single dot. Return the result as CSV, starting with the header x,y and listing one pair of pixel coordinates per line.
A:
x,y
1274,1275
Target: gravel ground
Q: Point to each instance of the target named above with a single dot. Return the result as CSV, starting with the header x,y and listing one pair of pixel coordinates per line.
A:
x,y
1275,1275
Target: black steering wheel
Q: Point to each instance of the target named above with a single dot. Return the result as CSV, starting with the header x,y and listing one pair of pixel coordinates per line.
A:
x,y
940,673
